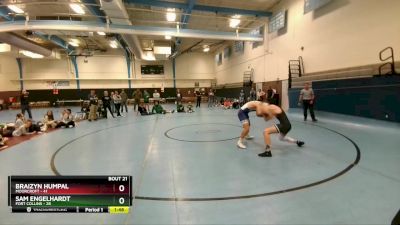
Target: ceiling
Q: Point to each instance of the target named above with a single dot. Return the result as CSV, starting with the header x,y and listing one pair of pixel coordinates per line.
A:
x,y
145,15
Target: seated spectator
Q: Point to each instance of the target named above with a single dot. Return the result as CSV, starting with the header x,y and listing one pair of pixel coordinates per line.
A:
x,y
236,104
227,104
6,130
67,119
3,142
85,110
158,109
180,107
24,129
19,120
48,121
221,101
142,110
190,108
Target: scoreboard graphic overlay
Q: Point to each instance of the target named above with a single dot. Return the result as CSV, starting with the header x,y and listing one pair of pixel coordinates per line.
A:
x,y
70,194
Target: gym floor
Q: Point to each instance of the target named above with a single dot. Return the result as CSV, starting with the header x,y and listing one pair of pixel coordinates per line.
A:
x,y
187,169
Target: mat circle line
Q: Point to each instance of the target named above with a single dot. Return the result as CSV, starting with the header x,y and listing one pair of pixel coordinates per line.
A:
x,y
345,170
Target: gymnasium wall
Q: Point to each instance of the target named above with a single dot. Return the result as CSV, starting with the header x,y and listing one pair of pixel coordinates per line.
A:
x,y
342,34
8,74
102,72
376,97
190,68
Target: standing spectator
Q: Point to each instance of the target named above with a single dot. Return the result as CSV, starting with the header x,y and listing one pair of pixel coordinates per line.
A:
x,y
146,100
112,102
137,95
124,101
25,103
211,98
253,95
270,94
156,96
241,98
307,98
178,97
106,99
93,102
117,102
263,96
198,98
260,95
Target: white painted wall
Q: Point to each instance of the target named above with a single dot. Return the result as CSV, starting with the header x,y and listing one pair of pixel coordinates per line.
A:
x,y
103,72
232,69
108,72
39,72
344,33
9,74
190,68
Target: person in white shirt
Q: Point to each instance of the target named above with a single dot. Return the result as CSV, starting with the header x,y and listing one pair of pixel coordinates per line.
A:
x,y
178,97
307,98
117,102
211,98
67,120
19,120
23,129
156,96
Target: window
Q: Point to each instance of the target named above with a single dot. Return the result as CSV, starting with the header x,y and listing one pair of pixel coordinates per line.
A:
x,y
277,22
227,52
310,5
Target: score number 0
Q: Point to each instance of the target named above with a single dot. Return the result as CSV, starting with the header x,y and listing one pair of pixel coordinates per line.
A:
x,y
121,200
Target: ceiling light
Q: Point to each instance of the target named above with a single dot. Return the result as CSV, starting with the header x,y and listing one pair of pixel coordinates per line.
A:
x,y
77,8
31,54
168,37
149,56
113,44
171,15
5,47
206,48
101,33
15,9
234,21
75,44
162,50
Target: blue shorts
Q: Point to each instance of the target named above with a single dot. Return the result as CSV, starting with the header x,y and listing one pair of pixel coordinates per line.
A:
x,y
244,116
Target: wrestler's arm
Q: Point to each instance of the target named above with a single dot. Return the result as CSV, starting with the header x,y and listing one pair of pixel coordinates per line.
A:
x,y
259,110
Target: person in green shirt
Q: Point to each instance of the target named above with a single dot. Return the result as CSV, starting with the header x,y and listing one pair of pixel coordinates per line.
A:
x,y
180,107
158,109
146,99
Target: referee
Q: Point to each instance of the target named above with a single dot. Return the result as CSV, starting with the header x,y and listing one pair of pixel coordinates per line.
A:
x,y
307,98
